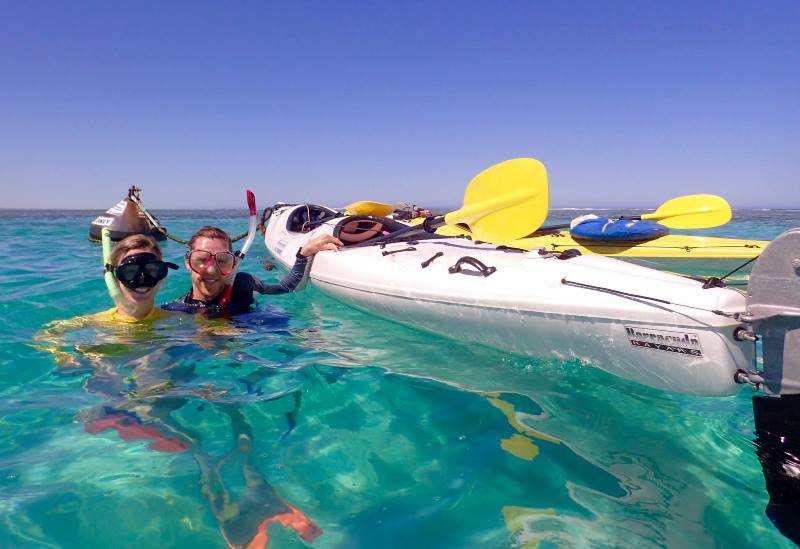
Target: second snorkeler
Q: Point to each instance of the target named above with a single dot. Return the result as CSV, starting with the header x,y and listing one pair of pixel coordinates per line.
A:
x,y
212,264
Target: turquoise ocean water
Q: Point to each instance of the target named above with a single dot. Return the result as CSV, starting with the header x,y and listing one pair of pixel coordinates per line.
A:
x,y
381,435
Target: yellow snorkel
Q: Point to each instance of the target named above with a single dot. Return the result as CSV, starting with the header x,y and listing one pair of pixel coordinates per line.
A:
x,y
108,275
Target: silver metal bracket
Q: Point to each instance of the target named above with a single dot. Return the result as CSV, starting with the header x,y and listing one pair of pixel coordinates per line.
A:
x,y
773,313
753,379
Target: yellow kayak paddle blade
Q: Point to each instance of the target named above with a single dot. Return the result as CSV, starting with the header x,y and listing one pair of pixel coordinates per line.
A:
x,y
368,207
504,202
694,211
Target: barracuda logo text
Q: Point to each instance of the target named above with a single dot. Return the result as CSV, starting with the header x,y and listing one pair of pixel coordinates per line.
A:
x,y
684,343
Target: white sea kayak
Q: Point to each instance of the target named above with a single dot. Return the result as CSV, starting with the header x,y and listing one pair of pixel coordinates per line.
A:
x,y
652,327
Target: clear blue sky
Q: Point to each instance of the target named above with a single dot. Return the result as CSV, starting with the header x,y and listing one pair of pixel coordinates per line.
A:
x,y
627,103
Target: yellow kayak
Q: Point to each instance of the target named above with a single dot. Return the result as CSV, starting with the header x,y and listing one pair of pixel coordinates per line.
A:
x,y
704,255
671,245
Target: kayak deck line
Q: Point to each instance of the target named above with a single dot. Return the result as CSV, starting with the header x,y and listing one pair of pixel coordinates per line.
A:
x,y
644,297
640,246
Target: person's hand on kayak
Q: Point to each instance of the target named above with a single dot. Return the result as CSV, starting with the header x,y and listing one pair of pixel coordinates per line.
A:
x,y
320,243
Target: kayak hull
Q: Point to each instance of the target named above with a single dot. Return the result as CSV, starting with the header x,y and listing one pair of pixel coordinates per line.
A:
x,y
539,306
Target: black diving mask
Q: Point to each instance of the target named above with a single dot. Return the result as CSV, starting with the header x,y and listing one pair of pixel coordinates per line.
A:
x,y
143,270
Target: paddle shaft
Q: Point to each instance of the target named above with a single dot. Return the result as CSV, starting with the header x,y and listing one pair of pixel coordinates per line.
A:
x,y
697,211
428,226
685,209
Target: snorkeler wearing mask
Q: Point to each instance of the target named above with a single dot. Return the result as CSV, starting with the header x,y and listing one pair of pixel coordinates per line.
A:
x,y
134,271
218,288
138,268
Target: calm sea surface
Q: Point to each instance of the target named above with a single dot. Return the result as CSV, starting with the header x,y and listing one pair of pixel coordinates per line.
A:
x,y
323,417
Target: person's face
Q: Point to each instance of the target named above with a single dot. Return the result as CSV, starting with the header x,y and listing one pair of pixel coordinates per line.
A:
x,y
138,294
208,280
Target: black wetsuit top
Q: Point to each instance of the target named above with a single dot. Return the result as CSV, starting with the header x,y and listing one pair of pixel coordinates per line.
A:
x,y
242,295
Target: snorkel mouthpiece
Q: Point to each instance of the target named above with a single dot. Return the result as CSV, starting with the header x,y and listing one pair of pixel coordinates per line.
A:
x,y
251,202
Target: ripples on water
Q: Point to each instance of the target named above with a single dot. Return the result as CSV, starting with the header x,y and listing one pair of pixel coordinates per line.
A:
x,y
383,436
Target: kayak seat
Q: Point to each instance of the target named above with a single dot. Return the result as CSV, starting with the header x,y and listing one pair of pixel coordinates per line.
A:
x,y
359,231
305,219
356,229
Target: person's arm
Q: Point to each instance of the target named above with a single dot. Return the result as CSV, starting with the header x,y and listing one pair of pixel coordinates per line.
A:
x,y
51,339
290,282
287,284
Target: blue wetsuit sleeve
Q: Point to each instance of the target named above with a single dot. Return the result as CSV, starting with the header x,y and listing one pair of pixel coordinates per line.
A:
x,y
288,283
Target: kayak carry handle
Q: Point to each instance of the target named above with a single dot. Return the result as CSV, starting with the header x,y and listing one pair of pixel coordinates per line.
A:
x,y
409,249
483,269
430,259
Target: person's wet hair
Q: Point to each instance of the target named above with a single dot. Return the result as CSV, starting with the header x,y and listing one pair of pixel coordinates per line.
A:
x,y
211,232
134,242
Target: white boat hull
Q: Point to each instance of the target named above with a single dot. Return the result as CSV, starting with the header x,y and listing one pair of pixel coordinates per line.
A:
x,y
667,339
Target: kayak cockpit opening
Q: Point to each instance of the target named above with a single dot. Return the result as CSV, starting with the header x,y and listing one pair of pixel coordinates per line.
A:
x,y
308,217
352,230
